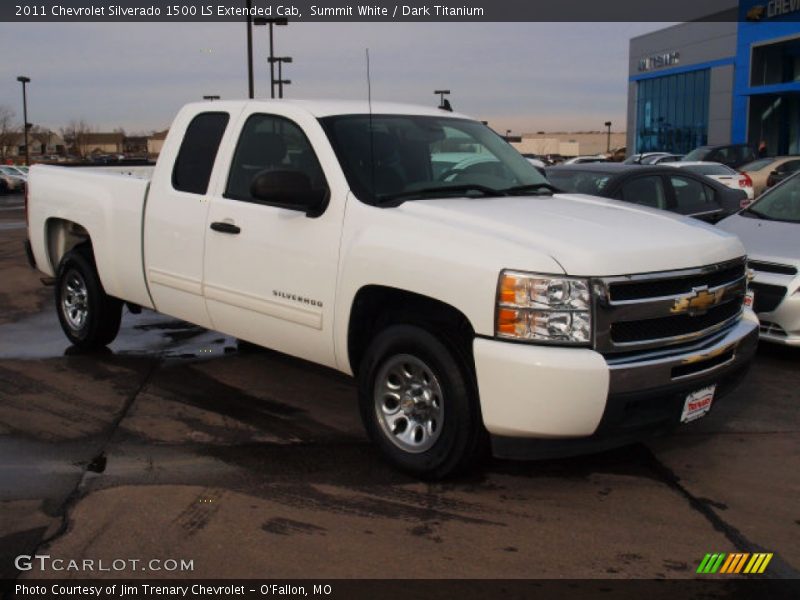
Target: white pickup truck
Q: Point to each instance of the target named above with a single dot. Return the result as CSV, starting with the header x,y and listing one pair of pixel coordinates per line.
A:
x,y
416,250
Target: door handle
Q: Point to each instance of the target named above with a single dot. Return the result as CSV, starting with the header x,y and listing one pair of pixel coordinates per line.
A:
x,y
225,227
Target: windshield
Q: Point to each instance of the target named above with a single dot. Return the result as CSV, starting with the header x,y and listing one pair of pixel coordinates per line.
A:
x,y
757,165
710,169
782,203
697,154
409,156
578,182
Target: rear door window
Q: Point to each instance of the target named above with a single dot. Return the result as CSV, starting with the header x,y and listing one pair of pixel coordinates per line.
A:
x,y
198,152
646,191
691,196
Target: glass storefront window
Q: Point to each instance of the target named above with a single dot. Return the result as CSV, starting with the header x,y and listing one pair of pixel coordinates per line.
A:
x,y
776,63
672,112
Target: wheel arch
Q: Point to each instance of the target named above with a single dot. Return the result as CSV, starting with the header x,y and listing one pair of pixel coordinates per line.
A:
x,y
375,307
62,236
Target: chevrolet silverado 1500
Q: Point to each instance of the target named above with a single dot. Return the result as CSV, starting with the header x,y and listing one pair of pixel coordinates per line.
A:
x,y
416,250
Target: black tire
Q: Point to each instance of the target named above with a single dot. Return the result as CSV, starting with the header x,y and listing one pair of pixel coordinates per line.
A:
x,y
102,314
461,432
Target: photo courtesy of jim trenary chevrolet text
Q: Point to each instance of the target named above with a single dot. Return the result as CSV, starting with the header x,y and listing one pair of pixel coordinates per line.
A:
x,y
355,300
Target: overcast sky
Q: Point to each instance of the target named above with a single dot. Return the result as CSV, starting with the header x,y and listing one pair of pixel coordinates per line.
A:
x,y
520,76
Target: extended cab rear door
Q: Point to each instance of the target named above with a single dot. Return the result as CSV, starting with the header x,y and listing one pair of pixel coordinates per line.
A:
x,y
270,272
177,210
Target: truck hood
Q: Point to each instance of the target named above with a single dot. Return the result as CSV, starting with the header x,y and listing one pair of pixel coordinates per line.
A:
x,y
586,235
772,241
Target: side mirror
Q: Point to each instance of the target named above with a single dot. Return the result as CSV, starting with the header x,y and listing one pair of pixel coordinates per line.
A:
x,y
289,189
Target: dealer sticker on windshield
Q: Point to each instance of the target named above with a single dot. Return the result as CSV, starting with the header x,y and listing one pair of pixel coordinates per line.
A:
x,y
697,404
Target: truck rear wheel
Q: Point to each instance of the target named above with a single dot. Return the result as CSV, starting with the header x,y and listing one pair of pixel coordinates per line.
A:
x,y
89,317
418,403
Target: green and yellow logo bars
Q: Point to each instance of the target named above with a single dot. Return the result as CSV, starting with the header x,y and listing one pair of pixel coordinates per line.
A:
x,y
735,563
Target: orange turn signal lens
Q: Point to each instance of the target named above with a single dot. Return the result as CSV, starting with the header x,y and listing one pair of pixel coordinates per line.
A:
x,y
510,321
513,290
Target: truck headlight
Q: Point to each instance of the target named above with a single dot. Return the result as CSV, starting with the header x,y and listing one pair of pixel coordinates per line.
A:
x,y
543,308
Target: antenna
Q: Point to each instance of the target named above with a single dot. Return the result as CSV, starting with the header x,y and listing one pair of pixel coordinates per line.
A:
x,y
371,138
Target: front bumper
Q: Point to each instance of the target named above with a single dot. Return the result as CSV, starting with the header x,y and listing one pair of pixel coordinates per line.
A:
x,y
540,401
782,324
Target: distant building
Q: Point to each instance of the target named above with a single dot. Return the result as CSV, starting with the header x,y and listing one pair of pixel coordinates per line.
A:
x,y
155,142
135,145
102,143
42,142
569,144
718,81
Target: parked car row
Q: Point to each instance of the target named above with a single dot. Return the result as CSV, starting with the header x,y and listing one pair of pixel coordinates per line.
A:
x,y
652,158
706,184
13,179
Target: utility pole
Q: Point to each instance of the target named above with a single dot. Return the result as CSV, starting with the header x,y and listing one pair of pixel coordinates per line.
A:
x,y
250,83
271,21
25,125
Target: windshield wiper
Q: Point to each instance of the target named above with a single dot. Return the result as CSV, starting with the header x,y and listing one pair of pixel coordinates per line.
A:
x,y
434,191
532,187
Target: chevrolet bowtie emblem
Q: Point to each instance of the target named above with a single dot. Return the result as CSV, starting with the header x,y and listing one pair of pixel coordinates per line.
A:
x,y
698,302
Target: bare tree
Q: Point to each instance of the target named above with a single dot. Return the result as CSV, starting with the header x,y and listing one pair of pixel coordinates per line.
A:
x,y
9,131
76,136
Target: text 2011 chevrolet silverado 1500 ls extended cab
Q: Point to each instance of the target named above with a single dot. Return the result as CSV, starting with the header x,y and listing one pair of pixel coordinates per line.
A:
x,y
417,250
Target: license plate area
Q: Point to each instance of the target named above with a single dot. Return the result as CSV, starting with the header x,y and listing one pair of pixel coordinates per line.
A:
x,y
698,403
750,298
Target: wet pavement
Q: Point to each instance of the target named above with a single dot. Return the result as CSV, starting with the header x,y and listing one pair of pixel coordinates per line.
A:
x,y
181,443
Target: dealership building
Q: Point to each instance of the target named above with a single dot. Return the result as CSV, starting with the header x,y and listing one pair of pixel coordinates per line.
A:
x,y
717,82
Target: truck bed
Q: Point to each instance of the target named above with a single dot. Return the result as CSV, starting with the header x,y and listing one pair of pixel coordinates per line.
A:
x,y
107,202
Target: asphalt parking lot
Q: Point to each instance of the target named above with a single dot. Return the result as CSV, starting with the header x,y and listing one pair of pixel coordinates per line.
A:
x,y
178,443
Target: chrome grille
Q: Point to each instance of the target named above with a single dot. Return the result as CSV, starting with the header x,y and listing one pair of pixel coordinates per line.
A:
x,y
652,310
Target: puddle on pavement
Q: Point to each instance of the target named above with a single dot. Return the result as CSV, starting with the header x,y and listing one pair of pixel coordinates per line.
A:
x,y
148,333
12,225
38,469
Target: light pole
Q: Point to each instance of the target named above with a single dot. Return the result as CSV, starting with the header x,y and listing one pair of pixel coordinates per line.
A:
x,y
508,135
444,104
250,85
211,98
280,81
25,125
608,136
271,21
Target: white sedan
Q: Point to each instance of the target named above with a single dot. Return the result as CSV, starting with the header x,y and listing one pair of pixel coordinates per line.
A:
x,y
770,230
722,173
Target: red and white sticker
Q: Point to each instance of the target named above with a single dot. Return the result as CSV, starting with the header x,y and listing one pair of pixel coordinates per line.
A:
x,y
697,404
749,297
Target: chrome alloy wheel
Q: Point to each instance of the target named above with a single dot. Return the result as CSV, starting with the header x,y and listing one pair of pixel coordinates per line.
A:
x,y
75,300
408,403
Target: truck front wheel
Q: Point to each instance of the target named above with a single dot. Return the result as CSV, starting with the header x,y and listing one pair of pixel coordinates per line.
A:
x,y
418,402
89,317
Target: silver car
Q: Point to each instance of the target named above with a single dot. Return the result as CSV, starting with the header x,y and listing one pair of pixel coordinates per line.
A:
x,y
10,180
770,231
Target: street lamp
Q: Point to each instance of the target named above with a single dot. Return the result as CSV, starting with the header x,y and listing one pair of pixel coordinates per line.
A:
x,y
444,103
211,98
608,138
281,81
25,125
271,21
